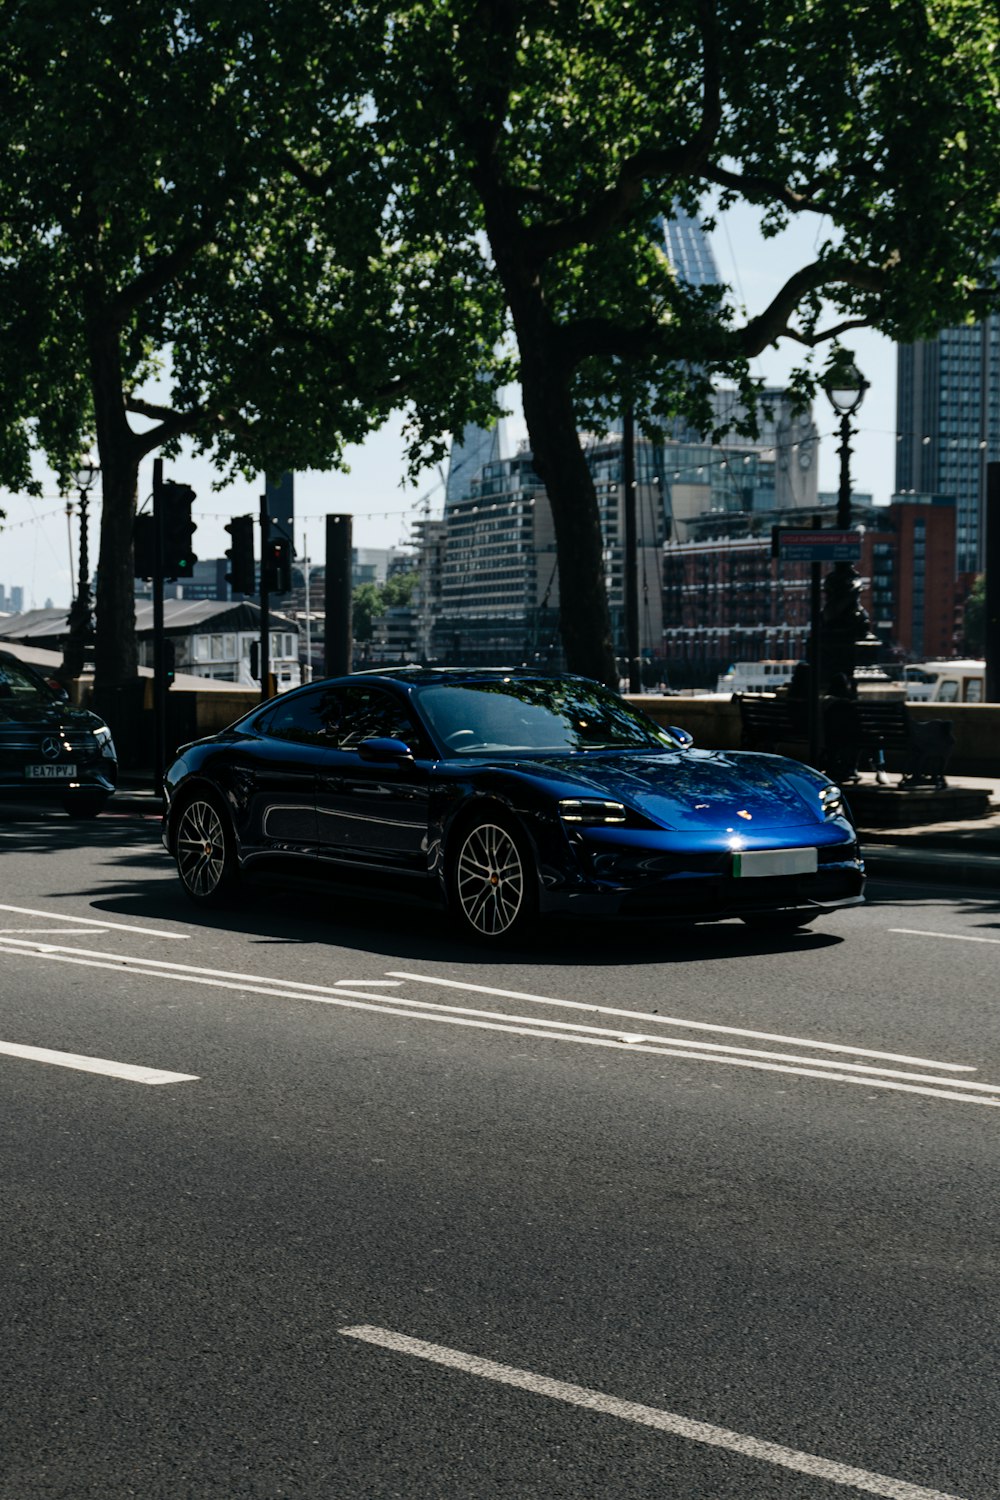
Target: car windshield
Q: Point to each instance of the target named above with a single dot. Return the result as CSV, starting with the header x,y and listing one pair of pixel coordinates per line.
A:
x,y
536,715
18,688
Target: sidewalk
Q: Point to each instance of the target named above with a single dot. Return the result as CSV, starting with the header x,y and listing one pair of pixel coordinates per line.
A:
x,y
954,851
959,851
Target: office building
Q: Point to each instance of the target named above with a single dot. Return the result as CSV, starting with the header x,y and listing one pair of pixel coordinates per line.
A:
x,y
948,425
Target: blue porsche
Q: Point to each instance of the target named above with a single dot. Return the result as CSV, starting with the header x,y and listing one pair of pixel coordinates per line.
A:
x,y
507,794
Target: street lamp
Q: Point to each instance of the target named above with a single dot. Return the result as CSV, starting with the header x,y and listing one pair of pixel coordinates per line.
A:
x,y
844,621
845,386
80,619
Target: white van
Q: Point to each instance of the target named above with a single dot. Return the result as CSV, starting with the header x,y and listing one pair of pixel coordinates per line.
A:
x,y
945,682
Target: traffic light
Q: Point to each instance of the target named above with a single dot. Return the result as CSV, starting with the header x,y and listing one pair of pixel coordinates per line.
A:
x,y
242,573
169,658
143,545
179,556
277,563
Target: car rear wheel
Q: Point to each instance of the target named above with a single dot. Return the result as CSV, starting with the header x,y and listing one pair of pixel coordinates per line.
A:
x,y
205,850
493,886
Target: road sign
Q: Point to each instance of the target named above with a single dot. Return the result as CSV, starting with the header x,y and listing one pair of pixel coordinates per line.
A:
x,y
818,546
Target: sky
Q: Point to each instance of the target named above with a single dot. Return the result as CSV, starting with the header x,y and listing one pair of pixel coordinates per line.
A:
x,y
36,540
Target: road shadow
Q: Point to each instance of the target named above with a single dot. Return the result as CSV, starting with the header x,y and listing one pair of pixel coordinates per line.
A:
x,y
138,883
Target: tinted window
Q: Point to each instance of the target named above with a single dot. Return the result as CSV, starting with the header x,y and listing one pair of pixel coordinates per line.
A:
x,y
339,718
20,686
543,714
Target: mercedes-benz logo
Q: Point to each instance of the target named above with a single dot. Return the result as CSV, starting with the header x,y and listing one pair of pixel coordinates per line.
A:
x,y
51,747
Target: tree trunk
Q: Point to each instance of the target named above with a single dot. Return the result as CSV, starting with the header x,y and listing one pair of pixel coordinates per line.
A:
x,y
584,616
116,655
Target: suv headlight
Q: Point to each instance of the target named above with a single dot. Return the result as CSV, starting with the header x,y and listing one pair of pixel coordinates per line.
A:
x,y
591,811
831,800
105,743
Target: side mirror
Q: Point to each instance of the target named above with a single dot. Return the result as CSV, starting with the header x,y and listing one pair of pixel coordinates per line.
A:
x,y
58,689
381,748
682,737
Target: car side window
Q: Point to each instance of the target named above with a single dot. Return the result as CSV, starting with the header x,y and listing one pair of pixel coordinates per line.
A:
x,y
340,718
311,718
369,713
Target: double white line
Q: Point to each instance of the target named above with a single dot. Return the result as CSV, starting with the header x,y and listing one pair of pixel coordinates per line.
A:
x,y
799,1056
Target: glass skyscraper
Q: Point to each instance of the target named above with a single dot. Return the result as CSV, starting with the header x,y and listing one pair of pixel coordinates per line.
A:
x,y
948,425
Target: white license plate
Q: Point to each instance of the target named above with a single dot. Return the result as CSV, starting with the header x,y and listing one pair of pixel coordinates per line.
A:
x,y
62,772
751,862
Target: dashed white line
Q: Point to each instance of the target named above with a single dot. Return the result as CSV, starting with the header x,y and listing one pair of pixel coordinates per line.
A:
x,y
130,1072
952,937
863,1480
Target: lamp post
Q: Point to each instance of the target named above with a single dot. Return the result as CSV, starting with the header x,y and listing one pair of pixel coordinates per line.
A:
x,y
81,622
844,621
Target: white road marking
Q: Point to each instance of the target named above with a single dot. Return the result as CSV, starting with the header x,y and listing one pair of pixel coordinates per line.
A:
x,y
49,931
653,1020
52,916
388,984
648,1416
415,1010
953,937
131,1072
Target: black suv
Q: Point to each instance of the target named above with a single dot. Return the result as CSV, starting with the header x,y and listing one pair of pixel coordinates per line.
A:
x,y
49,750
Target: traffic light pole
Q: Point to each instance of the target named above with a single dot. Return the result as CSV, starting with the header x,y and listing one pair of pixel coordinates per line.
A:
x,y
265,611
159,662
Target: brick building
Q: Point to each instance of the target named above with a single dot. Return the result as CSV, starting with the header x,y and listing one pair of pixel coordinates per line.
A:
x,y
728,599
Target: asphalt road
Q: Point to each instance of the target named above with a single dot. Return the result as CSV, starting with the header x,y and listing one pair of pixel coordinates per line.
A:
x,y
701,1215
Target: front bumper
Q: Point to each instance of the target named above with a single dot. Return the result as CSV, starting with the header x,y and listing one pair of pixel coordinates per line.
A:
x,y
630,877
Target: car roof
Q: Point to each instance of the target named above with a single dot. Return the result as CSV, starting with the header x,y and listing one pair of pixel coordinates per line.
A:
x,y
414,676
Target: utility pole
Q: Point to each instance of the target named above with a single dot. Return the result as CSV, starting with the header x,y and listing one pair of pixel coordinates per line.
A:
x,y
265,602
630,562
991,610
159,659
338,645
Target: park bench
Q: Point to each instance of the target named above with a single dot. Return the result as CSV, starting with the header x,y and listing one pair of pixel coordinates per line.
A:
x,y
885,735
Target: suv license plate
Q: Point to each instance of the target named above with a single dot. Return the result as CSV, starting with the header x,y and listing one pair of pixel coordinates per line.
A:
x,y
50,773
748,862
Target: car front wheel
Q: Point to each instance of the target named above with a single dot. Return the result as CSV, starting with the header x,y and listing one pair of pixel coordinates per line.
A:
x,y
493,885
205,850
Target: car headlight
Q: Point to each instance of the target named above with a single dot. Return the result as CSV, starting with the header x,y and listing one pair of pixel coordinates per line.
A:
x,y
591,811
831,799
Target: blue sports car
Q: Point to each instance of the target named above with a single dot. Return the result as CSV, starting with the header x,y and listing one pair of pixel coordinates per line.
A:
x,y
507,794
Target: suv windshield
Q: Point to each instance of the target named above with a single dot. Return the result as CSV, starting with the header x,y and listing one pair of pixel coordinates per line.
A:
x,y
536,715
20,688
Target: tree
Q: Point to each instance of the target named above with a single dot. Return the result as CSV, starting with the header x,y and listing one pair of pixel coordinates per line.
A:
x,y
560,131
974,618
162,272
367,604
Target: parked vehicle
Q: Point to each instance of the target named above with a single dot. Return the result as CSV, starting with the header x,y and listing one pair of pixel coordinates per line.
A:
x,y
507,794
756,676
49,750
945,681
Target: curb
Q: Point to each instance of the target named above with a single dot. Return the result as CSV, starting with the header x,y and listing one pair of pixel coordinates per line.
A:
x,y
935,866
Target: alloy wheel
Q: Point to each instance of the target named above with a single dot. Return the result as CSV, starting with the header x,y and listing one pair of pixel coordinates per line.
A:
x,y
201,850
490,880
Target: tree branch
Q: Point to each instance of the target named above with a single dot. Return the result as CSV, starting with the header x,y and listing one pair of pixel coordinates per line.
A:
x,y
687,159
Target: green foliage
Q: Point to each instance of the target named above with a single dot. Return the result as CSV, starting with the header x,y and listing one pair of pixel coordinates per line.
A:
x,y
974,618
367,604
370,600
197,241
